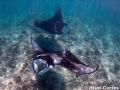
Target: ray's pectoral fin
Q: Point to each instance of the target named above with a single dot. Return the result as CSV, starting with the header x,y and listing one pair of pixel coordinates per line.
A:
x,y
73,58
85,69
73,64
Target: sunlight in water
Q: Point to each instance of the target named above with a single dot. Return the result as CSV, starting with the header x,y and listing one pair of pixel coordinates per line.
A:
x,y
94,38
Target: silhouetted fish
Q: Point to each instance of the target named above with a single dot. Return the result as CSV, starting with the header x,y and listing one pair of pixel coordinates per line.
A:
x,y
53,25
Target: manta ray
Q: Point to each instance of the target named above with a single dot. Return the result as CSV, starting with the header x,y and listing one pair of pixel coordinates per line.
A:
x,y
53,25
48,53
43,60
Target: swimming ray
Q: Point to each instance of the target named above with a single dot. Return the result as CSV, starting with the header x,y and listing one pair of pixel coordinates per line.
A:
x,y
53,25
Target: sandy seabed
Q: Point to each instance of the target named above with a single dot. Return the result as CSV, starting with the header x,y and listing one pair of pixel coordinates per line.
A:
x,y
89,45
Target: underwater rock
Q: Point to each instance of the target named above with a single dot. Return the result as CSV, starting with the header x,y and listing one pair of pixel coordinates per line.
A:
x,y
22,35
15,50
97,52
80,52
101,75
24,32
117,55
116,68
2,71
17,79
1,51
11,64
20,38
2,41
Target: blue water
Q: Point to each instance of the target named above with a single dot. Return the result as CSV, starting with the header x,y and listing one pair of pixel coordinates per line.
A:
x,y
95,24
101,10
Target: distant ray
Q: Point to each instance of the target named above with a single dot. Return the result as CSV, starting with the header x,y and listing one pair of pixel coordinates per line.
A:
x,y
53,25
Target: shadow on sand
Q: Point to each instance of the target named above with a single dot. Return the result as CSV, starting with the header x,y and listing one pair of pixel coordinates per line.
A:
x,y
51,81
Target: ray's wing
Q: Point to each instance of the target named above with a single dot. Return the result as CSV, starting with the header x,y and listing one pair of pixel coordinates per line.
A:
x,y
73,64
85,69
58,17
45,25
71,57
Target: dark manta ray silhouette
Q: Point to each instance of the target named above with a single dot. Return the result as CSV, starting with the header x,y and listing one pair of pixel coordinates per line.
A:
x,y
53,25
44,61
